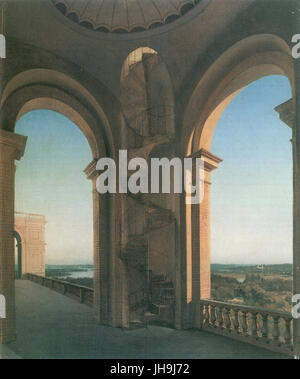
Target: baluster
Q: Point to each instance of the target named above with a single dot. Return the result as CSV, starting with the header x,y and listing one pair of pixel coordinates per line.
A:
x,y
221,318
254,324
288,334
206,315
276,329
213,316
227,319
201,315
236,321
244,323
265,327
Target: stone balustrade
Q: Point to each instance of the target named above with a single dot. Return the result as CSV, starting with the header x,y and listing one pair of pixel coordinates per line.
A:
x,y
82,294
259,327
263,328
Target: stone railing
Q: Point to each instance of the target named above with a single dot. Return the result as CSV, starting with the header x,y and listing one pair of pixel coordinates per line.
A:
x,y
82,294
268,329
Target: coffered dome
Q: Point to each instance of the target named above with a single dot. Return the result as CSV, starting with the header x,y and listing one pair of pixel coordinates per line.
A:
x,y
124,16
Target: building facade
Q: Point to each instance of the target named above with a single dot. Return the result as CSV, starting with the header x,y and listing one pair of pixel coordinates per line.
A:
x,y
30,236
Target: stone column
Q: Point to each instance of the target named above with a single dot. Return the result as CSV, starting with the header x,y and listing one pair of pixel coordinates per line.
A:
x,y
12,147
296,208
200,262
295,124
296,223
101,248
287,113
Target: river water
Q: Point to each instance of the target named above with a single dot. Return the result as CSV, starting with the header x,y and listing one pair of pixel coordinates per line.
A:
x,y
80,274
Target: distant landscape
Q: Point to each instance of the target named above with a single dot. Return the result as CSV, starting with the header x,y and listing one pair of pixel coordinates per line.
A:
x,y
81,275
263,286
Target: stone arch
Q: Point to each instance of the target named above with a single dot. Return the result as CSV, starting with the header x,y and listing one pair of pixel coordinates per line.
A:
x,y
248,60
36,88
47,89
243,63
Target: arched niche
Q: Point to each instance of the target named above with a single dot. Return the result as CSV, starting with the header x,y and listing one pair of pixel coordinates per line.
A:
x,y
147,102
146,96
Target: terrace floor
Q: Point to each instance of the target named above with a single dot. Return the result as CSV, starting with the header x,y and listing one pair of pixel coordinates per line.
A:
x,y
50,325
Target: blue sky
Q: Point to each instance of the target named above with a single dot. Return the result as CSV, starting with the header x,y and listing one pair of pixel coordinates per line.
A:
x,y
251,198
251,192
50,181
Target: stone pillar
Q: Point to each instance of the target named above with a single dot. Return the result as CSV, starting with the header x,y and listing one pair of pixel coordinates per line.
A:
x,y
200,214
296,176
296,231
287,113
12,147
296,209
101,248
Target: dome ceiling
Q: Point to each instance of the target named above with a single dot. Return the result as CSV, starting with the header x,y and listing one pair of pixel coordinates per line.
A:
x,y
123,16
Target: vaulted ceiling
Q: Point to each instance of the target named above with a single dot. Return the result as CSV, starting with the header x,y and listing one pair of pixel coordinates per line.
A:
x,y
123,16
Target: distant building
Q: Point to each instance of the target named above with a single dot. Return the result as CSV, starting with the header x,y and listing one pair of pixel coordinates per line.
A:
x,y
30,235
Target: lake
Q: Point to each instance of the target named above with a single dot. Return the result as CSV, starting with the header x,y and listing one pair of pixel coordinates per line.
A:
x,y
80,274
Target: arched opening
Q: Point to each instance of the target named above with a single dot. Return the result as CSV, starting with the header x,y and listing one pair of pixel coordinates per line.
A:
x,y
251,196
246,62
18,255
23,96
50,181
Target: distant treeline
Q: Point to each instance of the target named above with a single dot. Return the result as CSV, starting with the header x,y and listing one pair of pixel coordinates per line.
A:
x,y
70,267
65,270
282,269
256,290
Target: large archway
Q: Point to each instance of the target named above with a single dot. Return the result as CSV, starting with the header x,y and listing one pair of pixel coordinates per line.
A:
x,y
249,60
43,89
50,183
251,200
